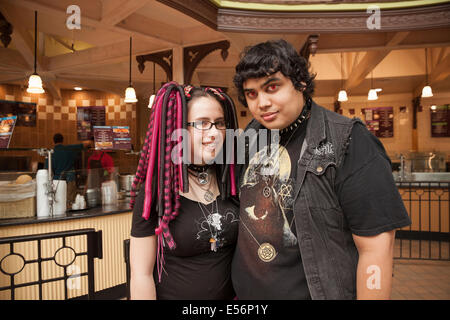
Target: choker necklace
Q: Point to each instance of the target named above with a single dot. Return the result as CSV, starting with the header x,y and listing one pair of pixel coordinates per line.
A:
x,y
302,117
201,172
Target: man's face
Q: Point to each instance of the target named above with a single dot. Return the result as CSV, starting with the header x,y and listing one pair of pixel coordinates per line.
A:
x,y
273,100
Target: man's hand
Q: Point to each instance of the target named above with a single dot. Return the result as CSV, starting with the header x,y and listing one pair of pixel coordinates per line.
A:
x,y
375,266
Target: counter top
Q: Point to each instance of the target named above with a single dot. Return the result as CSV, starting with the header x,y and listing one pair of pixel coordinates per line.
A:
x,y
123,206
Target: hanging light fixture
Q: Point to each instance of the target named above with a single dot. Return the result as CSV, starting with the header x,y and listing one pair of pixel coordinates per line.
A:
x,y
426,91
342,94
372,92
35,82
152,98
130,94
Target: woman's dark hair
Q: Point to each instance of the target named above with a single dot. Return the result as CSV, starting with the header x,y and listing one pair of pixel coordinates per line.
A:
x,y
160,167
269,57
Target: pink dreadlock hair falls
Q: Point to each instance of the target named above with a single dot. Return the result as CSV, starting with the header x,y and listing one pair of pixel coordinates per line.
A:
x,y
165,177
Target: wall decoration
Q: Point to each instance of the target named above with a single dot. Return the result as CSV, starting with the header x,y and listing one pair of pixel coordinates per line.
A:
x,y
112,137
87,117
6,130
440,120
380,121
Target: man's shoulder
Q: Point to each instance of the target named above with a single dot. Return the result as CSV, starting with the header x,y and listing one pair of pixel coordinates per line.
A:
x,y
332,116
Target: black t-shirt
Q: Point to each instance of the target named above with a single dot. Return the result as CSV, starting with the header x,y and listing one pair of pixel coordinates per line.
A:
x,y
192,270
367,194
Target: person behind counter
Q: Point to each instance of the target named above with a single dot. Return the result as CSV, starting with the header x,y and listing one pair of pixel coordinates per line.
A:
x,y
100,168
63,159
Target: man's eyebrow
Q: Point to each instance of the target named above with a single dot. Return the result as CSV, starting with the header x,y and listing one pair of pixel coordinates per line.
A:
x,y
264,84
270,80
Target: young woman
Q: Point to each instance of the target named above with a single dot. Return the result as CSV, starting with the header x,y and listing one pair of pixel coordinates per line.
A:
x,y
190,258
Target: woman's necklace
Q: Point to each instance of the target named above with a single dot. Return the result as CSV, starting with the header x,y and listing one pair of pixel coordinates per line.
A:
x,y
203,181
266,251
201,172
213,219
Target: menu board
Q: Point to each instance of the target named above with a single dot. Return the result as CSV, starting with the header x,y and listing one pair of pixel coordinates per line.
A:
x,y
25,112
380,121
112,137
440,120
6,130
88,117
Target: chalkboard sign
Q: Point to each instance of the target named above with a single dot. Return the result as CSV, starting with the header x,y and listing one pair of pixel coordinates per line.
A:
x,y
87,118
380,121
440,120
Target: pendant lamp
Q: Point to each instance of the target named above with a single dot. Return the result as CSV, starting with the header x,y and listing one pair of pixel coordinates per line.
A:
x,y
372,92
426,91
342,94
35,82
130,93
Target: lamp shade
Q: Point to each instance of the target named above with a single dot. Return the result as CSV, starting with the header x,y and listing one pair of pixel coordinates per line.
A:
x,y
372,95
35,84
130,95
151,101
427,92
342,96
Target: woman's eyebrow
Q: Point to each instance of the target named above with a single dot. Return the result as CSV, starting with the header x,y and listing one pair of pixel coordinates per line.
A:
x,y
206,118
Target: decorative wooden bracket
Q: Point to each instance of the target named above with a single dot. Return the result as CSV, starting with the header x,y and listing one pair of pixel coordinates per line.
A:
x,y
6,30
192,56
310,46
163,59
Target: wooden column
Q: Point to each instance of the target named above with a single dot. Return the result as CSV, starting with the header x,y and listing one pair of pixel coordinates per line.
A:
x,y
415,138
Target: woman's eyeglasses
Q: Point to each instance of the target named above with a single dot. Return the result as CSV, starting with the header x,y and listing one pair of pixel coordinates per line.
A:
x,y
206,125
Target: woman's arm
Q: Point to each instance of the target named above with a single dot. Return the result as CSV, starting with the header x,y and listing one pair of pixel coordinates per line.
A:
x,y
142,261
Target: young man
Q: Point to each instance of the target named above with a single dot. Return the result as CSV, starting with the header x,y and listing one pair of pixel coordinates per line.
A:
x,y
321,224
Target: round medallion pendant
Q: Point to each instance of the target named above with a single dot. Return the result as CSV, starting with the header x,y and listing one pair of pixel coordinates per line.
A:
x,y
203,178
266,192
267,252
208,196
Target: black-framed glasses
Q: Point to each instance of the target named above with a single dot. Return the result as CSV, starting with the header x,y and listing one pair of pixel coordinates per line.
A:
x,y
206,125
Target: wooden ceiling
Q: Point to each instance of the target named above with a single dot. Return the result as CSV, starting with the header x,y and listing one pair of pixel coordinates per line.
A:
x,y
99,56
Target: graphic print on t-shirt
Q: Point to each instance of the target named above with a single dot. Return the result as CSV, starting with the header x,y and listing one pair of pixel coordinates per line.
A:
x,y
213,224
269,218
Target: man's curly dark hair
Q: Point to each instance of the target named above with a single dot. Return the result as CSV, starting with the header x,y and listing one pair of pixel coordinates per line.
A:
x,y
269,57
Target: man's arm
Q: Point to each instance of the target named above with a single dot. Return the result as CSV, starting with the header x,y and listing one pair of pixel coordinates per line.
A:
x,y
375,266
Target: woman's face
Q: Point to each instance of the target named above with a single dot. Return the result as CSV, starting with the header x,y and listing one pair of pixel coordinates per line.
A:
x,y
205,144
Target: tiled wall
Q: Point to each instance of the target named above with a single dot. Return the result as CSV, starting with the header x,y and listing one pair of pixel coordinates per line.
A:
x,y
55,116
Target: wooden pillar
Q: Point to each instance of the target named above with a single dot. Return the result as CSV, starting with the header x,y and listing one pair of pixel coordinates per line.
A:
x,y
178,67
415,137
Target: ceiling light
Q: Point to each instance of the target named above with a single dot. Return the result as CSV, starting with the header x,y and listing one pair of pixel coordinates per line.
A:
x,y
372,95
78,88
372,92
130,93
35,82
426,91
342,96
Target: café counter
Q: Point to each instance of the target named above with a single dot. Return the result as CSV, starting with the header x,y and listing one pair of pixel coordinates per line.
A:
x,y
113,221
